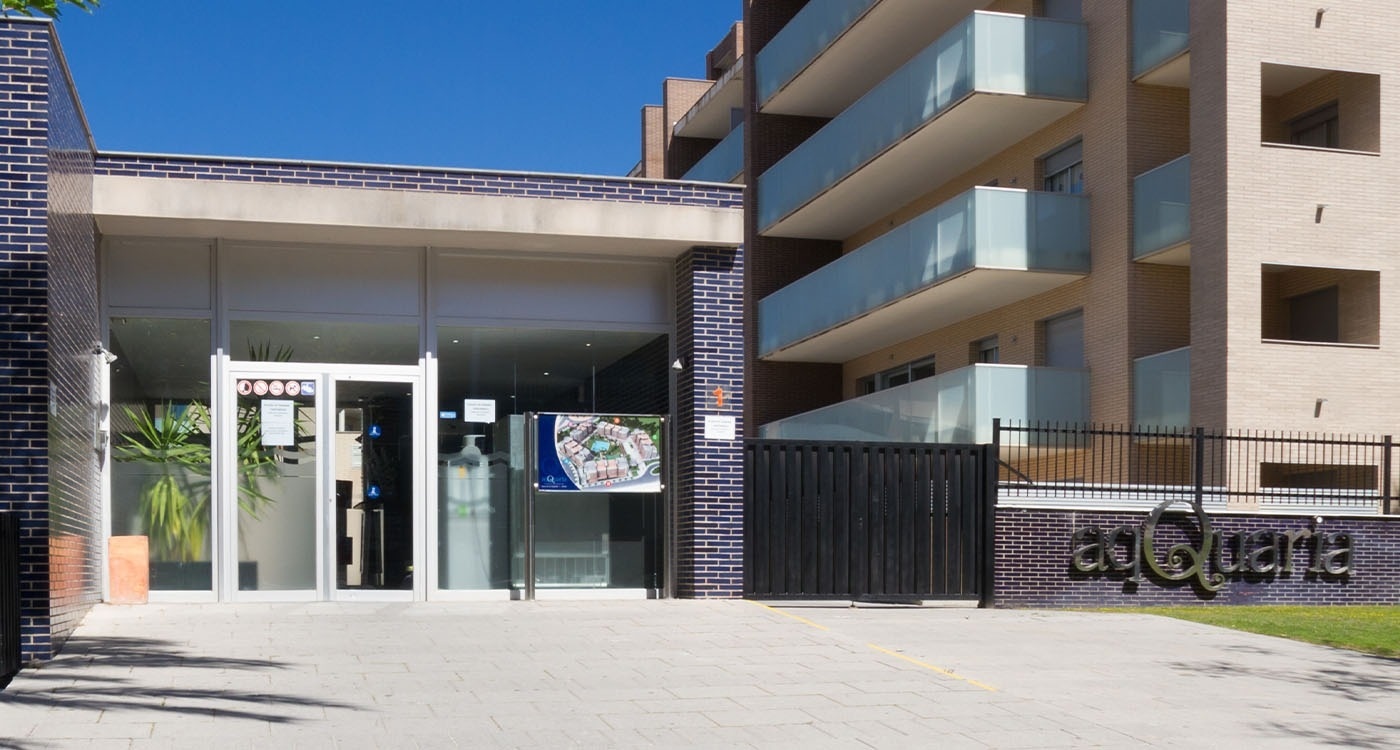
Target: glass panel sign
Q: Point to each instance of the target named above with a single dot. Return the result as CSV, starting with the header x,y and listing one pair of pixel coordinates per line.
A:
x,y
599,453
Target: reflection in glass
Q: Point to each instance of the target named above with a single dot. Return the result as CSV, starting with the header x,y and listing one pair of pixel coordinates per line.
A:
x,y
595,540
373,485
277,498
160,446
322,341
481,464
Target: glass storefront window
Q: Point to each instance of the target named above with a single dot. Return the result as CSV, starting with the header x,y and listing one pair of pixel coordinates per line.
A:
x,y
488,380
322,341
598,541
160,445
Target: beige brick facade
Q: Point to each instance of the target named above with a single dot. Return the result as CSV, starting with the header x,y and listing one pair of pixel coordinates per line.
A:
x,y
653,163
1269,220
1298,207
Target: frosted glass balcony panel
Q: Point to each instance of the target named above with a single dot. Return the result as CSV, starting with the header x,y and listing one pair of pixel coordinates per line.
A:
x,y
984,228
1162,207
809,32
1161,31
990,53
1162,389
957,406
724,162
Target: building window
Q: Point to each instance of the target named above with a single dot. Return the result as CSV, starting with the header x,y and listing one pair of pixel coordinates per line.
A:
x,y
986,351
1063,340
1064,169
1306,107
1313,316
1327,305
1317,128
161,446
896,376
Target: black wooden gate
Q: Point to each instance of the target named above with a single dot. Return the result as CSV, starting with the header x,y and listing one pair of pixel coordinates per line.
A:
x,y
9,597
867,521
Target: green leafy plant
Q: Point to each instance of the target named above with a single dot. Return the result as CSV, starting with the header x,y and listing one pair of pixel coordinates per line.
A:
x,y
50,8
175,500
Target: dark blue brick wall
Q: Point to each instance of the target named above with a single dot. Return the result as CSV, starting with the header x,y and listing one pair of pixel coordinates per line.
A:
x,y
710,499
1033,563
45,197
24,49
566,187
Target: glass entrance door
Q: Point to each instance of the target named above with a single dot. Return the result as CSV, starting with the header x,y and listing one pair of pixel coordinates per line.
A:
x,y
272,458
325,464
374,492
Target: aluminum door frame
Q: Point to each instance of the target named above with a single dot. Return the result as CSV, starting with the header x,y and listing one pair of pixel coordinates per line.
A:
x,y
224,535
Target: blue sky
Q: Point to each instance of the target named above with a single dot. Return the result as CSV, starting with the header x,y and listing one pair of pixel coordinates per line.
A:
x,y
537,85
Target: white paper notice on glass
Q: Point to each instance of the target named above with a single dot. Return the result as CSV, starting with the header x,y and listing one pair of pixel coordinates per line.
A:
x,y
479,410
279,422
719,427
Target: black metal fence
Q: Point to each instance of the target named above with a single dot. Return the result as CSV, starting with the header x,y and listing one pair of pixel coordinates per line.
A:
x,y
867,521
9,597
1274,470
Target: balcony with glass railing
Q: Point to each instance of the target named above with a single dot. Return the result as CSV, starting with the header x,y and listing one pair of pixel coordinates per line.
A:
x,y
1161,42
1162,214
1162,389
724,163
713,115
957,406
833,51
984,249
991,81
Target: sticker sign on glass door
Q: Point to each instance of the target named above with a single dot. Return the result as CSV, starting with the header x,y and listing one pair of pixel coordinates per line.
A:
x,y
278,422
246,387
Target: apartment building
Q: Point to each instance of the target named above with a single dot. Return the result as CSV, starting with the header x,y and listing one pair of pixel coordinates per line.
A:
x,y
1162,212
697,132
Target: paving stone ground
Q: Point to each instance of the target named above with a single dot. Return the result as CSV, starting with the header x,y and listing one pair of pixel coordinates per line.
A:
x,y
719,674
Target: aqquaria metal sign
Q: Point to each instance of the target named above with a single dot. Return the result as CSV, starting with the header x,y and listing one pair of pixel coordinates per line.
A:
x,y
599,452
1217,554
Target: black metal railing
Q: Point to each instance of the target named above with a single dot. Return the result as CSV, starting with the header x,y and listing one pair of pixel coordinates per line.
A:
x,y
9,597
1281,470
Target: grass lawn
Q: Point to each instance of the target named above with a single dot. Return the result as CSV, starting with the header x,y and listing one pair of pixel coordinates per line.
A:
x,y
1371,630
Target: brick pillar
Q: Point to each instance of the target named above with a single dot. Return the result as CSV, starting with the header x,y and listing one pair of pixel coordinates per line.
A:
x,y
710,495
48,328
776,389
24,320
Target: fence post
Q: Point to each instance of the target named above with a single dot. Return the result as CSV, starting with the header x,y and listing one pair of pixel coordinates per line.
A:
x,y
991,455
1200,449
1385,478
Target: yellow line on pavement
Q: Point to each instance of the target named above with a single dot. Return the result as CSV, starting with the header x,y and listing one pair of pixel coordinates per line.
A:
x,y
799,618
926,665
881,649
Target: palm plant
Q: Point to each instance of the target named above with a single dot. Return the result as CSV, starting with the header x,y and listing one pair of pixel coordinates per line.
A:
x,y
175,501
